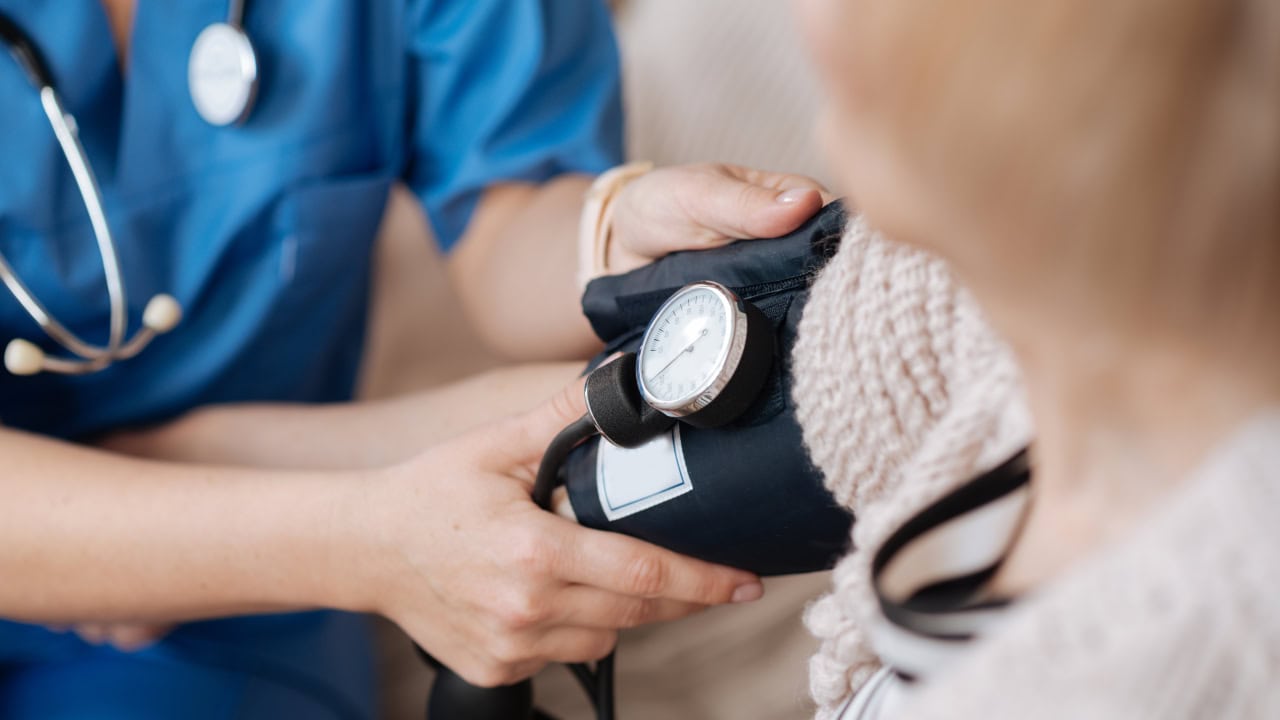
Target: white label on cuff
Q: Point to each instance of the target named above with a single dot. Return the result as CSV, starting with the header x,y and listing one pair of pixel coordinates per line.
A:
x,y
629,481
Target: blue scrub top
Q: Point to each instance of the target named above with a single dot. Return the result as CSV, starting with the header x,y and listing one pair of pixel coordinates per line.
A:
x,y
263,232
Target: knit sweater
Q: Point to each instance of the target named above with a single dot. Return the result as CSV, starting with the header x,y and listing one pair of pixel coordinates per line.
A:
x,y
904,392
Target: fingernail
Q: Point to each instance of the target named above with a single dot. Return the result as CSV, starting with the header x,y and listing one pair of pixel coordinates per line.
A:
x,y
748,593
791,197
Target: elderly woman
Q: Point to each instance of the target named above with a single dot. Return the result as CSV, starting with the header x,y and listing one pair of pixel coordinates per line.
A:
x,y
1102,181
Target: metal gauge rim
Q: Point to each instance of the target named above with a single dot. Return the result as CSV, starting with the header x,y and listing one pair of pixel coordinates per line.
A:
x,y
222,74
727,359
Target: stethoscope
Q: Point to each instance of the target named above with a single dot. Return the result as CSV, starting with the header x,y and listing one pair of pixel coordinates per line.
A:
x,y
223,78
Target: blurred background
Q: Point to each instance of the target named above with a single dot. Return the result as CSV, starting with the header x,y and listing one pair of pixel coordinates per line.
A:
x,y
711,80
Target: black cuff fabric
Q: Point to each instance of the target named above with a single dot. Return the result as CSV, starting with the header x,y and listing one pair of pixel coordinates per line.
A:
x,y
757,502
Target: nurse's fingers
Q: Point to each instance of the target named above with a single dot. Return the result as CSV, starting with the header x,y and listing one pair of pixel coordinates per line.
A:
x,y
573,644
627,566
512,658
589,607
520,441
561,506
736,202
489,672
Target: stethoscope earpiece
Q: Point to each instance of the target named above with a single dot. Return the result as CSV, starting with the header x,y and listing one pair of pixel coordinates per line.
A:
x,y
162,314
22,357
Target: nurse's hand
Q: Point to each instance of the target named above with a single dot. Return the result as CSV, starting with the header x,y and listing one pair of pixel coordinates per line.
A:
x,y
695,207
518,268
495,587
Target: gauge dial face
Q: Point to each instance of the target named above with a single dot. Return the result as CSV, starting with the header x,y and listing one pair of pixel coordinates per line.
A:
x,y
686,346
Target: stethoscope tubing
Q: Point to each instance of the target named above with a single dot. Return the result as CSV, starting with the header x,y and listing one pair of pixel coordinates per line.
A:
x,y
25,53
235,14
65,129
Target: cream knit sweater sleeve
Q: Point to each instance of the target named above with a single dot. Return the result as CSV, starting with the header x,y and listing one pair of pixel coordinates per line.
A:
x,y
903,392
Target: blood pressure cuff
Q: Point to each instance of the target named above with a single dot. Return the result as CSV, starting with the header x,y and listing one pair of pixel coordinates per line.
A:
x,y
746,494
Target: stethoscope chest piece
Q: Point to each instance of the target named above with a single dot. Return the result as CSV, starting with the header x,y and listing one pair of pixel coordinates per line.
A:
x,y
222,73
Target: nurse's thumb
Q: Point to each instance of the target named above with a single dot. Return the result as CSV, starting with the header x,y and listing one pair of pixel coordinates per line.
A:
x,y
534,430
758,205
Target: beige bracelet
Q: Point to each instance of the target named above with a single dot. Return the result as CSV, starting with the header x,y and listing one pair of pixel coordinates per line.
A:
x,y
596,225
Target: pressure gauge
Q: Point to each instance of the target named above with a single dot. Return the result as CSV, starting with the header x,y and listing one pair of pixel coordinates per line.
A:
x,y
705,355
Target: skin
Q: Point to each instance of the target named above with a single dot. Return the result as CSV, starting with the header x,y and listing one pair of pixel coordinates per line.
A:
x,y
346,436
1100,363
351,436
525,234
496,591
445,542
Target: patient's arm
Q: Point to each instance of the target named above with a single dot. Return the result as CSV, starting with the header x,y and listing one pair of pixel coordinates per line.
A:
x,y
344,436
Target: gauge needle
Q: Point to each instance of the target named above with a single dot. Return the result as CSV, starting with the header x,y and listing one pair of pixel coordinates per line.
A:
x,y
687,349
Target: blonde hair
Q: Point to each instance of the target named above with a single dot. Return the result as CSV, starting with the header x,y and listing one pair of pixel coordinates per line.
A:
x,y
1124,153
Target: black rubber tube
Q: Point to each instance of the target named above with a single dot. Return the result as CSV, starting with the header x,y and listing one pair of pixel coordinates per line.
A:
x,y
598,684
604,688
557,452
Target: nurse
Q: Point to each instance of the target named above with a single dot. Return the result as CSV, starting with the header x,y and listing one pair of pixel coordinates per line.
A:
x,y
496,114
